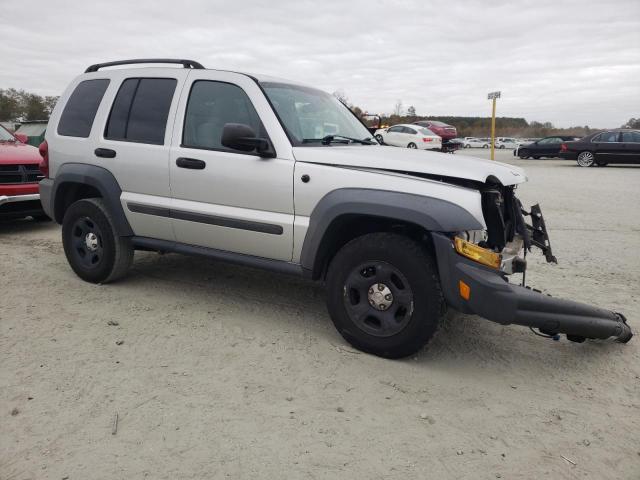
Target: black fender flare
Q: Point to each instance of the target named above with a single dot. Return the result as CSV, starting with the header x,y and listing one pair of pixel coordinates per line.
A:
x,y
97,177
431,214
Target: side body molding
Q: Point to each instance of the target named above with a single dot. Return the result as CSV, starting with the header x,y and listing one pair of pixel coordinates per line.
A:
x,y
97,177
432,214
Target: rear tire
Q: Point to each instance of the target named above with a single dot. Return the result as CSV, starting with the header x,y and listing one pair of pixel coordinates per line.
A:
x,y
94,250
391,268
586,159
412,145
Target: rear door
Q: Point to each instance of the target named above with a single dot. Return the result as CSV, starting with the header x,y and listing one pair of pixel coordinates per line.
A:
x,y
135,142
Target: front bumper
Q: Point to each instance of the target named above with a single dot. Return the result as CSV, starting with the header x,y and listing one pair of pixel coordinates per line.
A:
x,y
13,206
495,299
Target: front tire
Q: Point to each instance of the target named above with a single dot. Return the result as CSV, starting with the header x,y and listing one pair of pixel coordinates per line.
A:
x,y
586,159
380,139
94,250
384,295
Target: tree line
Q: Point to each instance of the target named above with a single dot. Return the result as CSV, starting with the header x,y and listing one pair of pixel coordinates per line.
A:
x,y
476,126
19,106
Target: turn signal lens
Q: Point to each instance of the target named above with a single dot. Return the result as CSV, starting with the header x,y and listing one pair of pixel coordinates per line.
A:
x,y
465,290
477,254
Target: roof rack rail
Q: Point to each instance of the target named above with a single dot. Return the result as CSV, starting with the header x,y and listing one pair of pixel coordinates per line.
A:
x,y
184,63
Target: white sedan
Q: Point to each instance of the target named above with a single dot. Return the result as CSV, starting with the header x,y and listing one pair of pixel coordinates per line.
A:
x,y
409,136
476,143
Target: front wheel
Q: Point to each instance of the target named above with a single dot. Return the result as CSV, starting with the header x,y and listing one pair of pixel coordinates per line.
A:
x,y
485,146
412,145
467,146
586,159
383,294
523,154
380,139
93,248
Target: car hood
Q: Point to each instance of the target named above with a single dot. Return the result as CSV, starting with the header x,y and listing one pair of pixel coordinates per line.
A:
x,y
18,153
396,159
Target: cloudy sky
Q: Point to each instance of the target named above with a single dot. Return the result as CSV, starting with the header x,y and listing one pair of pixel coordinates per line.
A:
x,y
567,62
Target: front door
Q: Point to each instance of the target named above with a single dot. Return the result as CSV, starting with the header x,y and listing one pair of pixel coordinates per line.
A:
x,y
222,198
608,147
631,147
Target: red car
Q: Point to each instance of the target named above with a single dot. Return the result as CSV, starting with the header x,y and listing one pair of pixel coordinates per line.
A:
x,y
19,177
444,131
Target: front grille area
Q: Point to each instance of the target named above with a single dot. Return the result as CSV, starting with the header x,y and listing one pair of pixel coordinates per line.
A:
x,y
20,174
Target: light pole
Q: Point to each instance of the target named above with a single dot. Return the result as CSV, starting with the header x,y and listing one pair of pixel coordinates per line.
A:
x,y
493,96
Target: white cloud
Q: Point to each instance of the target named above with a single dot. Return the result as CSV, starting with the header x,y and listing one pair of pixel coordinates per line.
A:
x,y
569,62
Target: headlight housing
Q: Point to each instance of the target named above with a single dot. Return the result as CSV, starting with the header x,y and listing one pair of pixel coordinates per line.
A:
x,y
478,254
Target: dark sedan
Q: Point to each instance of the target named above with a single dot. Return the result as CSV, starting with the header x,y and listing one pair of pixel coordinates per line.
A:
x,y
545,147
602,148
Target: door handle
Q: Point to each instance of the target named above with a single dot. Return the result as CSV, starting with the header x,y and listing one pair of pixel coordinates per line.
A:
x,y
191,163
104,152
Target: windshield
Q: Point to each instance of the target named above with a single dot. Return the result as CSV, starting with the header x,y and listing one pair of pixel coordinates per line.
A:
x,y
309,115
5,136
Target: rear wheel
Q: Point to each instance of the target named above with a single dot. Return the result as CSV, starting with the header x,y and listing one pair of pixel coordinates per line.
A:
x,y
412,145
485,146
467,146
383,295
586,159
94,250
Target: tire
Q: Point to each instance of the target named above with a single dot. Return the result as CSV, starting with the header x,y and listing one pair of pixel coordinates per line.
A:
x,y
94,250
412,145
467,146
414,309
380,139
536,157
485,146
502,146
586,159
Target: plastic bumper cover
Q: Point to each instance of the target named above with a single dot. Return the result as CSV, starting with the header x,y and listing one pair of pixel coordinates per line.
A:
x,y
493,298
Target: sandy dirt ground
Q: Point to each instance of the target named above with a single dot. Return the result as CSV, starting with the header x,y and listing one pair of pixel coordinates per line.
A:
x,y
218,371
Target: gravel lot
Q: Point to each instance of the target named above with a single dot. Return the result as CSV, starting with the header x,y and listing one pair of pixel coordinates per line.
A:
x,y
231,372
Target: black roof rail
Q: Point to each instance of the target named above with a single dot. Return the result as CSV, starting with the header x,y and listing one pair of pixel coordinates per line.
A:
x,y
184,63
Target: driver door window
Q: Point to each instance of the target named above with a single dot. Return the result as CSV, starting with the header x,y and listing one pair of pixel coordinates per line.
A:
x,y
212,105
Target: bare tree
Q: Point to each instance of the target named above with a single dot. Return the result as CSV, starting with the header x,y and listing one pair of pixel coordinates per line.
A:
x,y
398,110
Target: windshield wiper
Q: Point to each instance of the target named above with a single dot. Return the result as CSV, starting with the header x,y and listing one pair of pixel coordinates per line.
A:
x,y
340,138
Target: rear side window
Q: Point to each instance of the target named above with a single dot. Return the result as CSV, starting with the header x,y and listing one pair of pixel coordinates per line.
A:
x,y
140,111
78,114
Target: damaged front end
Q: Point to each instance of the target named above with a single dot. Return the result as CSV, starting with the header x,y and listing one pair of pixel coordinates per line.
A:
x,y
475,268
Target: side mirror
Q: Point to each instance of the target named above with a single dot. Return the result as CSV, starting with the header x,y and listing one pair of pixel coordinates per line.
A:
x,y
240,136
21,137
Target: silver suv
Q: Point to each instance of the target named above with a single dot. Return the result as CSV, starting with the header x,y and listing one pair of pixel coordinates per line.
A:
x,y
273,174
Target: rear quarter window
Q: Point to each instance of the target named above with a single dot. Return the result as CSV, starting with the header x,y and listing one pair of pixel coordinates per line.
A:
x,y
79,112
